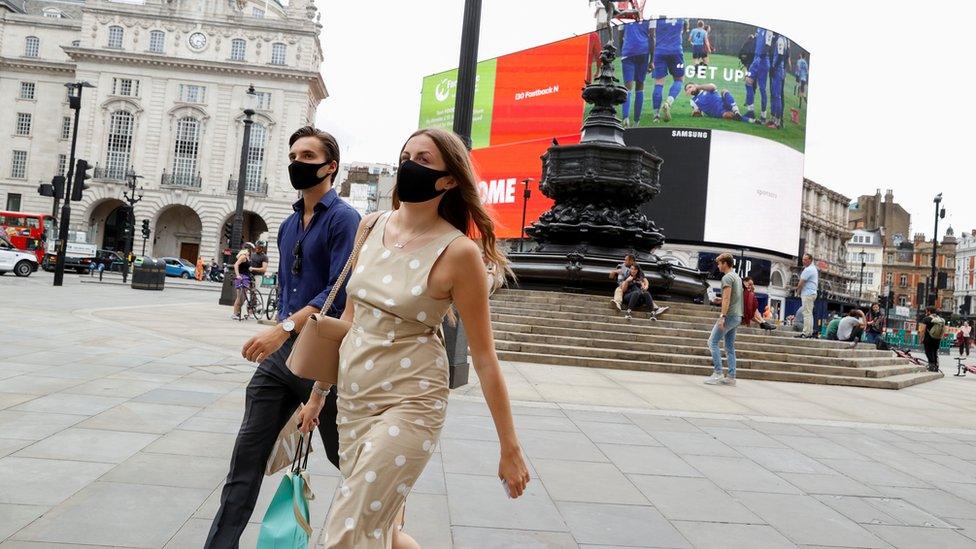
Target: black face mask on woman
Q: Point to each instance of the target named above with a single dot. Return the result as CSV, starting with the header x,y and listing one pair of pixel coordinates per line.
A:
x,y
417,183
304,175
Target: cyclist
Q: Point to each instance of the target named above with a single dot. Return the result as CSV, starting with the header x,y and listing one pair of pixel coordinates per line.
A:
x,y
242,279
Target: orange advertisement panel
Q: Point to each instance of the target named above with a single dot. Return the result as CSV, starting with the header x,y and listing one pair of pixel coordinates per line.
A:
x,y
537,91
501,170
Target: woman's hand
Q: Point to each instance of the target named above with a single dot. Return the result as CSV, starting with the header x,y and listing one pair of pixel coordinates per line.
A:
x,y
513,472
309,414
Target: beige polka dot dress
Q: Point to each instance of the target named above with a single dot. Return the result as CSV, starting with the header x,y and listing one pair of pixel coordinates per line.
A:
x,y
392,386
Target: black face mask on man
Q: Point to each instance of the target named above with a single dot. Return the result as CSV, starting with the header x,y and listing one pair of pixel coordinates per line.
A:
x,y
418,183
304,175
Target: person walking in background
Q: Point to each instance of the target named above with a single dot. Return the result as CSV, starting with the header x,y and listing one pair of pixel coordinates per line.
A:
x,y
259,259
966,338
807,290
930,329
727,323
242,278
314,243
200,268
620,274
875,324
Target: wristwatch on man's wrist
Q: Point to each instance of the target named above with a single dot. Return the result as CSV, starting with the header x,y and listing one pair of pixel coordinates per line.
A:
x,y
319,391
288,325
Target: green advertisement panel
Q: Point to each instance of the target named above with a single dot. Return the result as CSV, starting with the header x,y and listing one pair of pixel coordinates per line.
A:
x,y
437,102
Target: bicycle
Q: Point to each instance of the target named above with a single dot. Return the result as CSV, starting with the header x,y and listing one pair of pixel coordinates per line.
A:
x,y
253,304
272,305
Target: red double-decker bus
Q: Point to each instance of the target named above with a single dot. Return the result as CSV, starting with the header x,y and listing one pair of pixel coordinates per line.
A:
x,y
26,231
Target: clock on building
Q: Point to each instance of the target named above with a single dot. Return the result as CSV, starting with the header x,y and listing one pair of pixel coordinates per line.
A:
x,y
198,40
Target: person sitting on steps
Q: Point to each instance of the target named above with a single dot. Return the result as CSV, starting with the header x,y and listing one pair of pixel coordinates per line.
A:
x,y
619,275
751,306
636,294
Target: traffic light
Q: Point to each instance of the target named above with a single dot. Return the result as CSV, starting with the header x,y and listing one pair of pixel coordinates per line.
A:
x,y
54,189
81,175
145,229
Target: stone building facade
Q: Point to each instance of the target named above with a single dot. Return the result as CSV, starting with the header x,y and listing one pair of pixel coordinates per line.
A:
x,y
170,80
871,213
871,245
908,269
965,290
824,233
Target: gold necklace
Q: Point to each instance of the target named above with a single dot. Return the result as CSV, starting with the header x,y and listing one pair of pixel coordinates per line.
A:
x,y
400,245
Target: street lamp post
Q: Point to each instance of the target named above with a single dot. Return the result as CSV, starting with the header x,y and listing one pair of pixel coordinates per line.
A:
x,y
74,103
227,290
933,285
860,288
132,200
525,203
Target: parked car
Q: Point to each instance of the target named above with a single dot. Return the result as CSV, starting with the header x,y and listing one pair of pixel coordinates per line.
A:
x,y
112,260
182,268
22,263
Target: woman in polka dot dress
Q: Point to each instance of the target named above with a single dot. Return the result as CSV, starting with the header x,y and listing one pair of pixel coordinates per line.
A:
x,y
393,375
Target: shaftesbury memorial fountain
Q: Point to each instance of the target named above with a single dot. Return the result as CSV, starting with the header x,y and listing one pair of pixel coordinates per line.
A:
x,y
598,187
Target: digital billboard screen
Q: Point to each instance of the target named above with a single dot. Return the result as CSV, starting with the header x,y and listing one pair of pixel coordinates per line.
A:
x,y
723,103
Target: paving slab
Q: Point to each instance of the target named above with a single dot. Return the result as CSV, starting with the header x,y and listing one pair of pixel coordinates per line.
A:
x,y
89,445
151,515
480,501
692,499
741,474
141,417
914,537
624,525
616,433
13,517
648,460
807,521
34,425
719,535
466,537
45,481
587,482
170,470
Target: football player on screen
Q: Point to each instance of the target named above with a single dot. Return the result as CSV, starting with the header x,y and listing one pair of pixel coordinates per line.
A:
x,y
668,59
780,64
706,100
635,51
758,73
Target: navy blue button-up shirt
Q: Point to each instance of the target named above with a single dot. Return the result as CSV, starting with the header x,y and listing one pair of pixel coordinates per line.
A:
x,y
327,243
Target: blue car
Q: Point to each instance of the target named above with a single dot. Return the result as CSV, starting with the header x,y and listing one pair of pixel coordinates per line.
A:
x,y
182,268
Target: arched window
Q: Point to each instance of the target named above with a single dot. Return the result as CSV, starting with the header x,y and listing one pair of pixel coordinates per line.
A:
x,y
115,37
237,49
255,158
185,153
278,51
119,155
157,41
32,46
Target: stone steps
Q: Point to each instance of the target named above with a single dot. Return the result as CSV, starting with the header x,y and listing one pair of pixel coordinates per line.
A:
x,y
899,381
508,323
588,331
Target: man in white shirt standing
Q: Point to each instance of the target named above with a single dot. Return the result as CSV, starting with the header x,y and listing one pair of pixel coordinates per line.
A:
x,y
807,290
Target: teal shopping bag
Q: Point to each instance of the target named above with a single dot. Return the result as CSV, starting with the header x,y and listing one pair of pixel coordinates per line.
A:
x,y
286,523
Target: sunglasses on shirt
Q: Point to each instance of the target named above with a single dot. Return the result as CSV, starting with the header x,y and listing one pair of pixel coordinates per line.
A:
x,y
296,266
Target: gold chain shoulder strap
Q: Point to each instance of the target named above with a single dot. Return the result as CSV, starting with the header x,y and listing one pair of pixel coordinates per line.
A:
x,y
345,270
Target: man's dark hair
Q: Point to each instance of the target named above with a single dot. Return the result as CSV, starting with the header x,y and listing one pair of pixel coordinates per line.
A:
x,y
806,255
328,142
631,256
929,310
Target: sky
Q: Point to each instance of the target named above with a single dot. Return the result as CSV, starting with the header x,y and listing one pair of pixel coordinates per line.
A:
x,y
892,96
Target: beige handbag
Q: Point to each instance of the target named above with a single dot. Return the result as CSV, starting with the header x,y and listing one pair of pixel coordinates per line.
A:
x,y
315,354
283,452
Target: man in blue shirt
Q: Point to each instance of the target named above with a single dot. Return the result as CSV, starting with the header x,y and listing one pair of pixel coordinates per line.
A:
x,y
705,99
697,39
802,73
807,290
668,59
635,53
757,73
314,244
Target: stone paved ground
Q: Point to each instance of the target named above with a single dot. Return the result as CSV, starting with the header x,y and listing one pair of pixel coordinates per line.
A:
x,y
118,410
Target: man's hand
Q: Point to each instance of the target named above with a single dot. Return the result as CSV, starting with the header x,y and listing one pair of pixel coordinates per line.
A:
x,y
262,345
721,323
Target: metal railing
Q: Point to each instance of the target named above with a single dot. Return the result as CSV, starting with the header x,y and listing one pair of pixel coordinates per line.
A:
x,y
106,174
192,182
253,188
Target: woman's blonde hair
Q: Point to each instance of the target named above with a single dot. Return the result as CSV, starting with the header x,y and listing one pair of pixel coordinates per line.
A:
x,y
461,205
